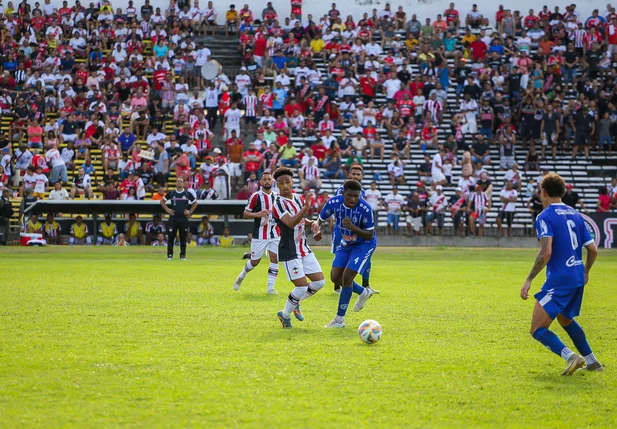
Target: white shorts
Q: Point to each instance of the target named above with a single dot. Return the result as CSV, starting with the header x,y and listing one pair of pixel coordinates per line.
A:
x,y
471,127
415,222
230,129
438,176
69,137
259,247
301,267
235,169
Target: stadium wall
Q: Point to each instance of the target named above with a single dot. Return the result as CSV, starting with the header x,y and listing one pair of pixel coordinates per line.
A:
x,y
423,9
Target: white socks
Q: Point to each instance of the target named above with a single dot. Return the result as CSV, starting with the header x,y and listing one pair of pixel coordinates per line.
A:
x,y
248,267
273,271
313,287
589,359
293,299
566,353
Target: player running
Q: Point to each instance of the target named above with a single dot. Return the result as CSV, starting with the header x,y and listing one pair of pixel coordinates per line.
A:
x,y
296,257
354,218
266,234
562,235
357,174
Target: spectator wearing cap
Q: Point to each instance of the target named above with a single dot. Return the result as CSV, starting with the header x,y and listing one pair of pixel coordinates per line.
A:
x,y
221,179
572,198
438,204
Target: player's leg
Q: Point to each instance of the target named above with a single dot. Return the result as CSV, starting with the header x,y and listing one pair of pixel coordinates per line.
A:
x,y
295,273
361,262
544,312
273,268
336,241
348,276
171,237
258,247
183,229
576,333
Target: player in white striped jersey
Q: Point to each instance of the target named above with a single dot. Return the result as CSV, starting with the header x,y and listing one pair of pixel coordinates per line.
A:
x,y
266,234
295,255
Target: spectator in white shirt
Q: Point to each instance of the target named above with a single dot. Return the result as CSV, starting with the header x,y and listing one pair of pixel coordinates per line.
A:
x,y
373,198
508,197
58,193
394,203
396,170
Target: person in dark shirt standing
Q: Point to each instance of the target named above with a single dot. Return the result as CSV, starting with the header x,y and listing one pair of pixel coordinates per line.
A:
x,y
571,198
179,213
584,126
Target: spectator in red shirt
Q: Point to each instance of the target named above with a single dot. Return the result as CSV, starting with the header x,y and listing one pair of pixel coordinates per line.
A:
x,y
319,150
478,50
367,87
243,193
251,161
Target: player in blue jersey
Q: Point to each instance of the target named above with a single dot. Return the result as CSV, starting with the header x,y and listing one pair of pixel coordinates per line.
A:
x,y
354,218
562,235
357,174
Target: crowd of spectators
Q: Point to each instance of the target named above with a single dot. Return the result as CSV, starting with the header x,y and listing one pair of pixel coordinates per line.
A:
x,y
121,86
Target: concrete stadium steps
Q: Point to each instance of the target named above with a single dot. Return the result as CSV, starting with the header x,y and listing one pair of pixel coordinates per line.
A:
x,y
224,50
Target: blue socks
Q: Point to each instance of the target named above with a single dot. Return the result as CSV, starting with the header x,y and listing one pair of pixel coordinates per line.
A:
x,y
552,342
343,301
578,337
357,288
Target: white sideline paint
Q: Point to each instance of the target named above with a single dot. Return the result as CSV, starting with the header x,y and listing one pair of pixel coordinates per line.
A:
x,y
356,8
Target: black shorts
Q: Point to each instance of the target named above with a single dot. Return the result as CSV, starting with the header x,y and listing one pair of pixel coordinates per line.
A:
x,y
536,131
507,216
581,139
250,119
525,130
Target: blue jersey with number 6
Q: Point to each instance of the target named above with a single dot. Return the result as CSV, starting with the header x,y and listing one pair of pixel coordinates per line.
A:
x,y
361,216
565,268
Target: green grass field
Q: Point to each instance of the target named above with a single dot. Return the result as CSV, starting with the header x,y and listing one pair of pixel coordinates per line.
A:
x,y
123,338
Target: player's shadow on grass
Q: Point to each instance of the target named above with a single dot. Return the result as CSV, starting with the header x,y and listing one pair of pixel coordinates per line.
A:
x,y
259,297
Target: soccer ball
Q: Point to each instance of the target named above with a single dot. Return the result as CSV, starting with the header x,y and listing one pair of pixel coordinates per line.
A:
x,y
370,331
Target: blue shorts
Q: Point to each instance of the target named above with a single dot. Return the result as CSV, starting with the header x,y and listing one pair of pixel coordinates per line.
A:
x,y
355,257
566,302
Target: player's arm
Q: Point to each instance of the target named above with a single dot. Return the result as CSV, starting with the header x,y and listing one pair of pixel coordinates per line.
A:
x,y
190,212
252,204
291,221
324,215
542,258
164,205
367,234
592,254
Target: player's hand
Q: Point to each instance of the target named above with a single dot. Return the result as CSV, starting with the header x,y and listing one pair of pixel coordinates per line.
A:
x,y
525,290
347,223
187,213
318,236
308,200
263,213
316,229
586,278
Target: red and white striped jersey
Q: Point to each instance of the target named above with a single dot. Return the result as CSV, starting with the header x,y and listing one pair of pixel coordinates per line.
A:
x,y
293,240
265,228
250,106
578,36
433,106
311,172
479,202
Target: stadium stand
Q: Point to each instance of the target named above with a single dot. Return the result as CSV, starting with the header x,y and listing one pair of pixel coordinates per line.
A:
x,y
141,89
